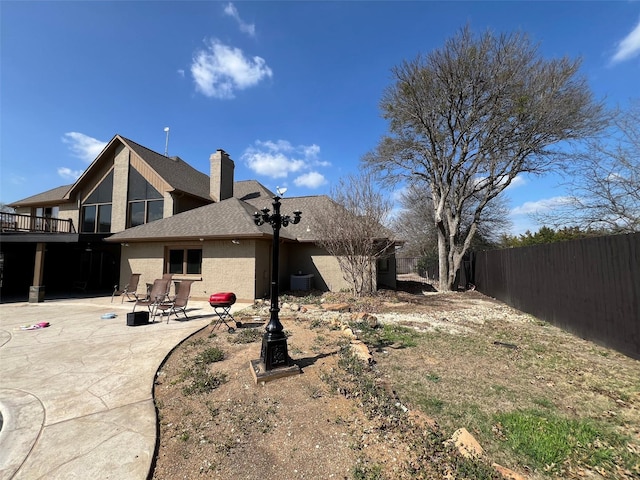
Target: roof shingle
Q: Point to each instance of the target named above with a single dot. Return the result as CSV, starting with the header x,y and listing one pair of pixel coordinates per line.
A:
x,y
55,195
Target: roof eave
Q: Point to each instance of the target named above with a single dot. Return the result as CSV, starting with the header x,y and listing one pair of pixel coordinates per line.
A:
x,y
71,190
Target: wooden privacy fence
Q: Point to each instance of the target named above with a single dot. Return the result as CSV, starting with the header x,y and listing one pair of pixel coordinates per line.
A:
x,y
590,287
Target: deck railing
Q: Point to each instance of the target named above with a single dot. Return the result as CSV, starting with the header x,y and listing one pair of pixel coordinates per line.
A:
x,y
15,222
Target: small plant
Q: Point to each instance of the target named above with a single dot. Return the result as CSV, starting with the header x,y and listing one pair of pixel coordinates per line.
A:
x,y
198,342
367,472
246,335
214,410
203,381
210,355
316,323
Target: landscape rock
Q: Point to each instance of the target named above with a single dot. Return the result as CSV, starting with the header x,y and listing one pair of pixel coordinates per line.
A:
x,y
466,444
365,318
337,307
349,333
361,351
507,473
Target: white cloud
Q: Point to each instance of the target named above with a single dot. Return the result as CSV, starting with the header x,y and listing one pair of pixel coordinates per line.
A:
x,y
248,28
181,72
310,180
540,206
219,70
18,180
280,158
628,47
518,181
69,174
83,146
274,165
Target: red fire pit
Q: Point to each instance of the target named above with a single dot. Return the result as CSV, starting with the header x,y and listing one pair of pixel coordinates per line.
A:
x,y
221,303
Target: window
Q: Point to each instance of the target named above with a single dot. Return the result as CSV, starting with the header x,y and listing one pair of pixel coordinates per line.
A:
x,y
89,218
146,204
96,210
184,261
96,218
142,212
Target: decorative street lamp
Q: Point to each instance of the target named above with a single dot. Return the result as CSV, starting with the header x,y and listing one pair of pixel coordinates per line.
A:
x,y
274,342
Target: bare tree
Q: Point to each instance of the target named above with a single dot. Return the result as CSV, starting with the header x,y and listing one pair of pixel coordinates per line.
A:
x,y
415,223
352,230
467,118
4,208
604,183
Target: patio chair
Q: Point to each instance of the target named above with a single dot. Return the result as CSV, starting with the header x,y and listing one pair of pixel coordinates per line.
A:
x,y
129,289
168,276
157,295
179,302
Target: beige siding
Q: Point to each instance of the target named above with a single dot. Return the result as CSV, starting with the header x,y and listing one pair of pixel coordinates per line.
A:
x,y
69,211
226,267
120,186
263,269
309,258
330,272
167,205
145,259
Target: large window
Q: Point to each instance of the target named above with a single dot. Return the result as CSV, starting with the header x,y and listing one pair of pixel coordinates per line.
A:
x,y
145,211
145,203
96,218
96,209
182,261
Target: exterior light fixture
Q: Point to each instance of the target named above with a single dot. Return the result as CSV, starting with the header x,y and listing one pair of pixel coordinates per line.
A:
x,y
274,352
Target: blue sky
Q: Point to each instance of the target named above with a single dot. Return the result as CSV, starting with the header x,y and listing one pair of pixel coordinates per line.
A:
x,y
289,89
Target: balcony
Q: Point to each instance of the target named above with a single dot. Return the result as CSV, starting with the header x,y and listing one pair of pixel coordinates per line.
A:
x,y
18,223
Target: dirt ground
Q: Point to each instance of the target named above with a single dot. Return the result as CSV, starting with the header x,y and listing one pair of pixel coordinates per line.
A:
x,y
215,421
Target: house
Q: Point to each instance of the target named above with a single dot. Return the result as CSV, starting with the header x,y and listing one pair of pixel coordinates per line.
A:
x,y
137,211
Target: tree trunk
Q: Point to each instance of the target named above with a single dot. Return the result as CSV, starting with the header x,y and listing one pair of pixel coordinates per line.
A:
x,y
443,264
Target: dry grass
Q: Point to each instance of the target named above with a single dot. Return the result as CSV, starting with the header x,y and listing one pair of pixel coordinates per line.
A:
x,y
461,359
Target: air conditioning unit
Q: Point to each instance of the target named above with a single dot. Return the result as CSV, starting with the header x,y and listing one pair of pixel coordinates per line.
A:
x,y
302,282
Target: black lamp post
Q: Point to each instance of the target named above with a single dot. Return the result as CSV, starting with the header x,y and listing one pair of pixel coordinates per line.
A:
x,y
274,342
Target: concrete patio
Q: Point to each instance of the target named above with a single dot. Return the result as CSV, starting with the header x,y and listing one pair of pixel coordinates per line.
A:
x,y
76,396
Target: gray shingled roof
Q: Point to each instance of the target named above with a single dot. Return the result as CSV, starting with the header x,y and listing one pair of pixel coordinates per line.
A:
x,y
175,171
305,231
226,219
230,218
55,195
252,191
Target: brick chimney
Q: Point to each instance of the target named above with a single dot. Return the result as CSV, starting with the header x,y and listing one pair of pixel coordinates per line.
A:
x,y
221,179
